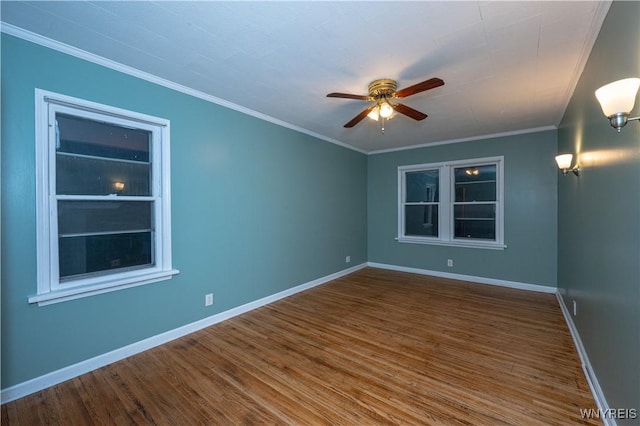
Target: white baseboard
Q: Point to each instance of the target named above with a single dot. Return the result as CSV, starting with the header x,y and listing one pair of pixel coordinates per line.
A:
x,y
471,278
34,385
596,390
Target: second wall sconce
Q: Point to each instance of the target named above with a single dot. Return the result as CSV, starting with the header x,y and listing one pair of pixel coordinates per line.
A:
x,y
564,164
617,100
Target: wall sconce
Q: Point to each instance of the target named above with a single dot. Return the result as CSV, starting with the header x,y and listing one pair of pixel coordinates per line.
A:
x,y
118,186
617,99
564,164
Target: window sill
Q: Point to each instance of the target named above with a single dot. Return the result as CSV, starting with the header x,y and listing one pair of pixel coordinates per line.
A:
x,y
64,295
453,243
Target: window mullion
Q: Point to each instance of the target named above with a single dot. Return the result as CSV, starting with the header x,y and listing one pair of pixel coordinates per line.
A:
x,y
402,177
445,203
498,207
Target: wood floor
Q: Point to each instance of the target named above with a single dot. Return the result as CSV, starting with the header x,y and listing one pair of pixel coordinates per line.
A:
x,y
374,347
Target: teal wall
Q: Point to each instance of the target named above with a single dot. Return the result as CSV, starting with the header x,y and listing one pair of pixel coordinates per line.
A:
x,y
257,208
530,179
599,215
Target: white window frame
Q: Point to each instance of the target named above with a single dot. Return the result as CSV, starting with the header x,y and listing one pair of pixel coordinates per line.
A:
x,y
446,222
50,289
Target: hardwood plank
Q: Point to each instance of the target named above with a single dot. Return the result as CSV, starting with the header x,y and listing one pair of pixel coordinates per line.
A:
x,y
374,347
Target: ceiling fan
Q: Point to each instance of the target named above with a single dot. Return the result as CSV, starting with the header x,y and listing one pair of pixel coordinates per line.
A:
x,y
382,92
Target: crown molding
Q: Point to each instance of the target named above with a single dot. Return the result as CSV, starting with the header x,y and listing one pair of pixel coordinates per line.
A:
x,y
471,138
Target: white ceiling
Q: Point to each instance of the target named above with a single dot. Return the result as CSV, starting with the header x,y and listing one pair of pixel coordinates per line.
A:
x,y
507,66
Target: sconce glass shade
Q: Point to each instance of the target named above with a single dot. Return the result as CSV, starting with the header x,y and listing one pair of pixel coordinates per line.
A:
x,y
618,97
386,110
564,161
564,164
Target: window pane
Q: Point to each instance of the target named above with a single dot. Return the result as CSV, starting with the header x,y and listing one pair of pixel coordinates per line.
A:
x,y
422,186
475,221
421,220
475,183
96,158
91,217
90,254
88,137
77,175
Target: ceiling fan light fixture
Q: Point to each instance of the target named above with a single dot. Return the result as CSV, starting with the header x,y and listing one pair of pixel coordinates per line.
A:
x,y
385,109
380,92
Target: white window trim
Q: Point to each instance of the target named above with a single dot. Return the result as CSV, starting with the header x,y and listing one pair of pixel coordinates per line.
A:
x,y
445,206
49,289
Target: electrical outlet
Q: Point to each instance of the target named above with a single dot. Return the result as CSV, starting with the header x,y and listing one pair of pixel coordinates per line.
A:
x,y
347,259
450,263
575,308
208,299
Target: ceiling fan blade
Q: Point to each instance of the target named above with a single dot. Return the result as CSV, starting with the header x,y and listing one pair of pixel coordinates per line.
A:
x,y
358,118
432,83
348,96
410,112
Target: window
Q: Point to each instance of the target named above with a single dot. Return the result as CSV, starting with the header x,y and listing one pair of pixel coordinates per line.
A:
x,y
455,203
422,202
103,198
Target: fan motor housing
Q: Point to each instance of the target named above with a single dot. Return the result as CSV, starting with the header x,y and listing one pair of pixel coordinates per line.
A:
x,y
384,87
